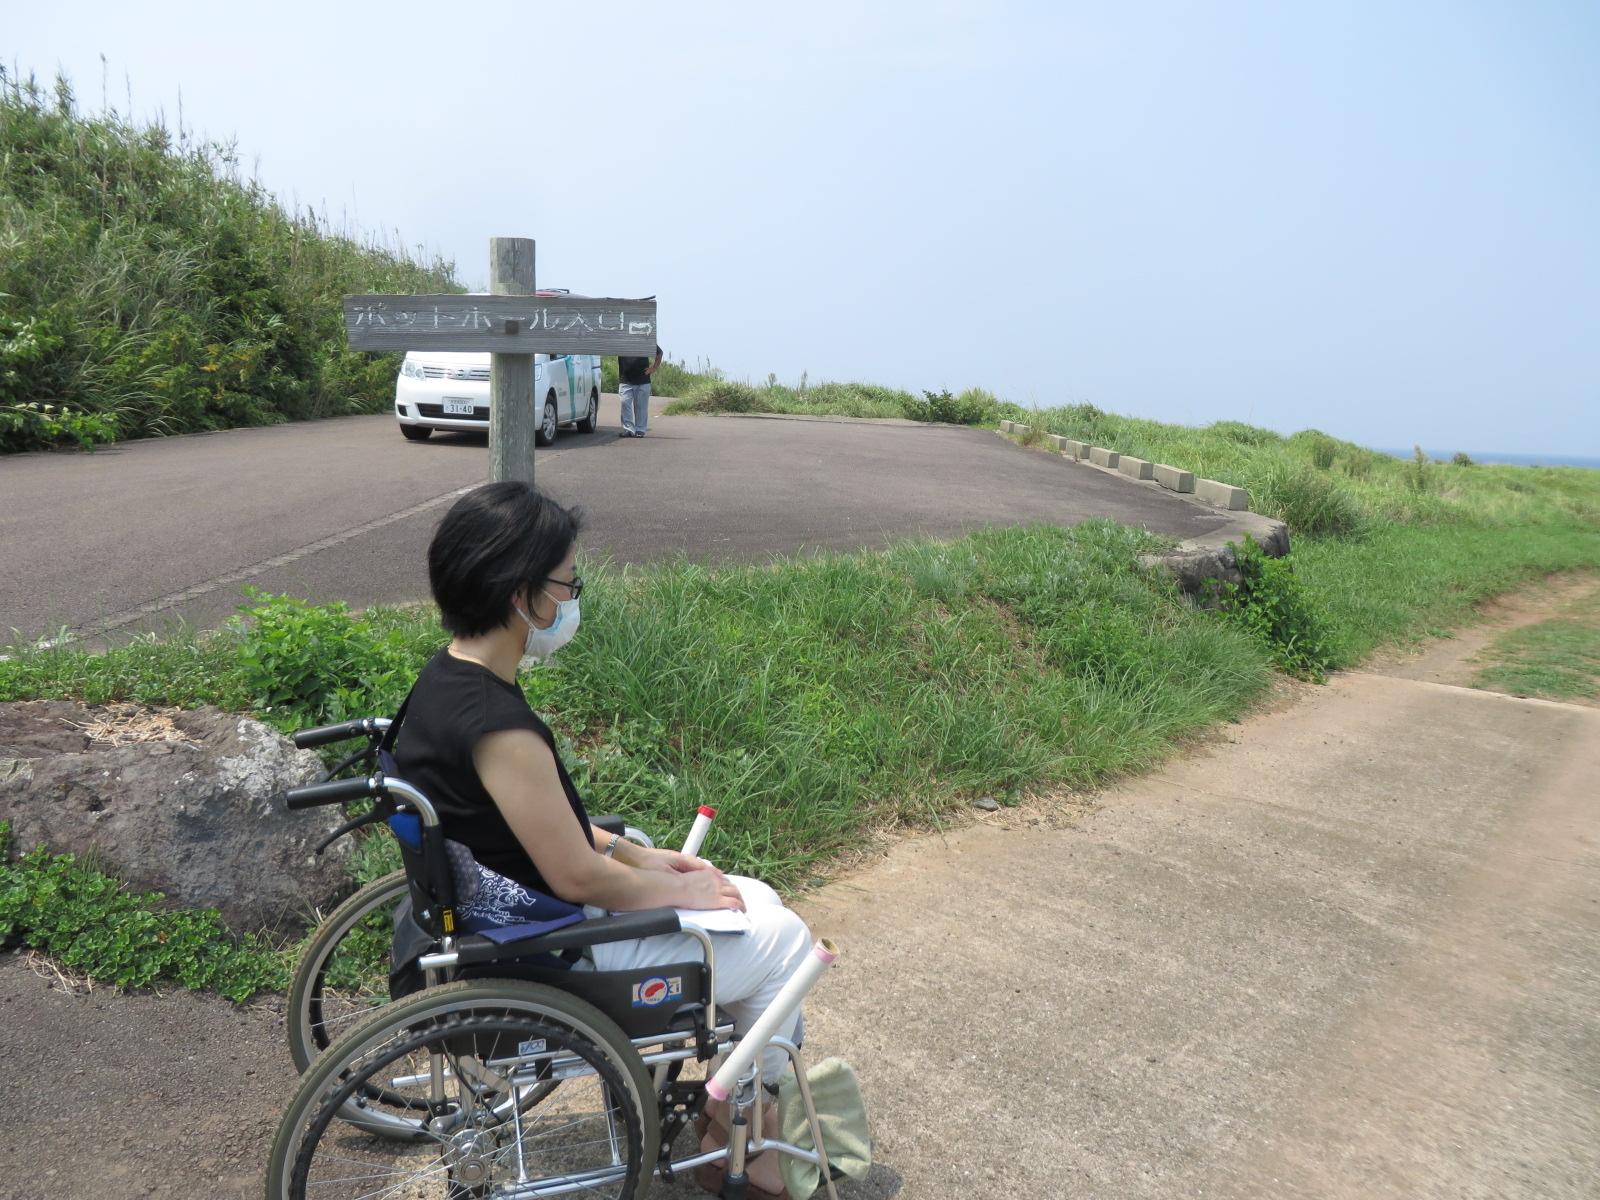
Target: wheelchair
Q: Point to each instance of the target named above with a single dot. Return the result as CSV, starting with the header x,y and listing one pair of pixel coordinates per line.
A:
x,y
334,982
507,1074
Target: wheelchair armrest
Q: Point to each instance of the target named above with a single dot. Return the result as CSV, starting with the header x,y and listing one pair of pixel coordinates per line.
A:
x,y
595,932
610,822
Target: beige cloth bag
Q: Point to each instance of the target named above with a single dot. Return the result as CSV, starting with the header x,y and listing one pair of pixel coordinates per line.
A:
x,y
842,1115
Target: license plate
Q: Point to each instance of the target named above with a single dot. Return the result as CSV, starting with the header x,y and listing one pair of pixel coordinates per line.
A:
x,y
459,408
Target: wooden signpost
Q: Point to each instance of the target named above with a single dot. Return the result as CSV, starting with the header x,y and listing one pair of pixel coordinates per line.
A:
x,y
512,324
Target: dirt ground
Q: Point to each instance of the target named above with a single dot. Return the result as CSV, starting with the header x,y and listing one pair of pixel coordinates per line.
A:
x,y
1457,660
1343,949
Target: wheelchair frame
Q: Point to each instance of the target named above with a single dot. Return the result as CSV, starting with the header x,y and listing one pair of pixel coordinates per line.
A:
x,y
589,998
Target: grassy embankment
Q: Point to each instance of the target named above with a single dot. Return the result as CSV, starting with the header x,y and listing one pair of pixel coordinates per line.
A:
x,y
1385,549
147,287
811,702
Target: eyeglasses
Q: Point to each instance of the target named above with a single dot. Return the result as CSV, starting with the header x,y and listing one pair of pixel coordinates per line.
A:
x,y
573,585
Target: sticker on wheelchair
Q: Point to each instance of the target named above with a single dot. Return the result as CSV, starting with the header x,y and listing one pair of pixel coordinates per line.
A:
x,y
531,1046
648,993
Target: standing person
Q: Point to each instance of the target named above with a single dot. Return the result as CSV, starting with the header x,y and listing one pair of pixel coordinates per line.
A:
x,y
633,382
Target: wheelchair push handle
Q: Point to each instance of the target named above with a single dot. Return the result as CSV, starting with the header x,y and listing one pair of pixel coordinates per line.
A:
x,y
334,791
324,735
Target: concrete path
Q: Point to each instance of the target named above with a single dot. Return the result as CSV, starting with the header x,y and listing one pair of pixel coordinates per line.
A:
x,y
140,535
1352,949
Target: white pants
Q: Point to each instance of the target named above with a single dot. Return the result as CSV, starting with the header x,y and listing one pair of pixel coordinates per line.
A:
x,y
751,968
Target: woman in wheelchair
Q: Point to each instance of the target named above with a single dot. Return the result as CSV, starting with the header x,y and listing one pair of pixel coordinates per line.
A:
x,y
501,570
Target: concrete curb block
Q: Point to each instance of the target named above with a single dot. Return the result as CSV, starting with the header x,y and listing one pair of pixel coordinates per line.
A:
x,y
1223,495
1173,479
1135,468
1201,566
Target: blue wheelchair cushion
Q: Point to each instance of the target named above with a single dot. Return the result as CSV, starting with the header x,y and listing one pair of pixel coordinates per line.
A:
x,y
487,902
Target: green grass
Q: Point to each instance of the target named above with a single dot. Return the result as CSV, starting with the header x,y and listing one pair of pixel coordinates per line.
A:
x,y
1558,659
1401,583
148,287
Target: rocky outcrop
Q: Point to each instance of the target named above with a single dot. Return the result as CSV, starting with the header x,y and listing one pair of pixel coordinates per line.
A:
x,y
186,803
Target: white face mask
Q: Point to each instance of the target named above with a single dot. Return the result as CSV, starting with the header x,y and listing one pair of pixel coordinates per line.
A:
x,y
542,643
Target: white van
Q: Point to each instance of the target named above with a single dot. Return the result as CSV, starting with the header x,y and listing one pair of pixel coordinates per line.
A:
x,y
451,391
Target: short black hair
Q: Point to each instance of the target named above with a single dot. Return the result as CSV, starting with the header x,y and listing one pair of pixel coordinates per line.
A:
x,y
496,541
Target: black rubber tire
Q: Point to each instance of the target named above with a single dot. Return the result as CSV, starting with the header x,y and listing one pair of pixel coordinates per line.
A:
x,y
416,433
548,422
329,1091
591,421
308,1037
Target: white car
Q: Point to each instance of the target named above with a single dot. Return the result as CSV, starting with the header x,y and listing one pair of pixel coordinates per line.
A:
x,y
451,391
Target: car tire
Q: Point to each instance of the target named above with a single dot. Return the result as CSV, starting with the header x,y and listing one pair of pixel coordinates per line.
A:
x,y
590,422
415,433
547,423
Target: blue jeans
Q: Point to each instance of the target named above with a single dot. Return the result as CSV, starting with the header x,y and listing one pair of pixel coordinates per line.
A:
x,y
635,406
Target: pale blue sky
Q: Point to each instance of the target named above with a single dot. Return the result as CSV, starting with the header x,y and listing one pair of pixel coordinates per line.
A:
x,y
1379,219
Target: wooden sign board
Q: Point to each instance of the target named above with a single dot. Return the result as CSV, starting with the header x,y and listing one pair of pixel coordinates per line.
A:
x,y
502,324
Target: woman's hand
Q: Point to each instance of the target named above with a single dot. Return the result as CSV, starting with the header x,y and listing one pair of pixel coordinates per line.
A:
x,y
659,859
708,889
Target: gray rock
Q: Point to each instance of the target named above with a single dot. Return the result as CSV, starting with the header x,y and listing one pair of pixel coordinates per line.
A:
x,y
196,815
1203,574
1203,570
987,803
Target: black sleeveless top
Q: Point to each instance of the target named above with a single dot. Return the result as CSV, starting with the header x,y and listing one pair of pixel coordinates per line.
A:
x,y
454,704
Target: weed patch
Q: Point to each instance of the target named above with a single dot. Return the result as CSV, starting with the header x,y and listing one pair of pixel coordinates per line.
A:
x,y
1272,606
94,925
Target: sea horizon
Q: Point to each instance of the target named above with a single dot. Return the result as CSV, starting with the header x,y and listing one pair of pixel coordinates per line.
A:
x,y
1505,459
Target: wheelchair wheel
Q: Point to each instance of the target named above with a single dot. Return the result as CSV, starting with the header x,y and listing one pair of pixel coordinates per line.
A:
x,y
508,1088
343,973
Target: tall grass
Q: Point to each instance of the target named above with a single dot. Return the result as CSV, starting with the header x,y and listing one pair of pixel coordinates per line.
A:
x,y
148,287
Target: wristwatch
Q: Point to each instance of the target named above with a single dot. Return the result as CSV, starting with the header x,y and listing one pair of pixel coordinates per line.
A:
x,y
611,846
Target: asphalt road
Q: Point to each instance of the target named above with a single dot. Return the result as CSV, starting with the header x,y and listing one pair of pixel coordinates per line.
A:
x,y
143,535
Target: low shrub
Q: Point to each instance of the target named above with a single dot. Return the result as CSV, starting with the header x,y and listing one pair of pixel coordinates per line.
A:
x,y
314,664
1272,607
